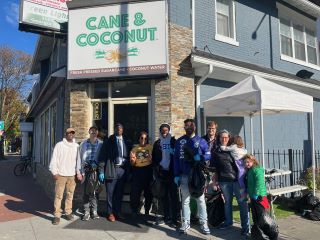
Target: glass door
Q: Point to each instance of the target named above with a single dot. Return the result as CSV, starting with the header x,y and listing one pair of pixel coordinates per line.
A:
x,y
134,116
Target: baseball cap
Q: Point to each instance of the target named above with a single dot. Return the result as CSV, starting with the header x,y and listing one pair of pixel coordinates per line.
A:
x,y
70,130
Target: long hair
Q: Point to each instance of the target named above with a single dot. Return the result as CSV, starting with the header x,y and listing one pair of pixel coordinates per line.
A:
x,y
253,159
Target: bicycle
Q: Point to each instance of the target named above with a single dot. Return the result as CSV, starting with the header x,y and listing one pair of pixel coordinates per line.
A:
x,y
21,168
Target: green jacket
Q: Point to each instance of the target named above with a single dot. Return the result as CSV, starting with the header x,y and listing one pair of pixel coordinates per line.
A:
x,y
256,183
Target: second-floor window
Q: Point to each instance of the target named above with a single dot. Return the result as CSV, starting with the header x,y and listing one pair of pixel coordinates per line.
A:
x,y
225,22
298,41
225,18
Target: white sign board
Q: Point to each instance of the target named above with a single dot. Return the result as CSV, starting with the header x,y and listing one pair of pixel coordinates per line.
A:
x,y
48,14
118,40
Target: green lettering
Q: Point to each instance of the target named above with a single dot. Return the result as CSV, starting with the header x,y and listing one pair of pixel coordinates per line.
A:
x,y
141,35
88,23
152,33
116,37
124,20
103,23
103,40
80,41
114,21
92,39
129,36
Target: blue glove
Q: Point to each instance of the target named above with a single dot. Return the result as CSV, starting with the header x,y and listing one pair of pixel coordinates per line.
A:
x,y
101,177
196,157
177,180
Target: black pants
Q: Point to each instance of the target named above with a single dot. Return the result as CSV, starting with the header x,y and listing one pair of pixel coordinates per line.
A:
x,y
170,202
114,189
141,180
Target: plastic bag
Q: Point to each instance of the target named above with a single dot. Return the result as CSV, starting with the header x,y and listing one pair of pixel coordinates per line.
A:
x,y
196,181
215,208
257,233
160,178
264,221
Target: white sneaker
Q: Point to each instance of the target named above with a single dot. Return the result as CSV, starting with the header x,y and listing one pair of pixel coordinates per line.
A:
x,y
204,228
185,227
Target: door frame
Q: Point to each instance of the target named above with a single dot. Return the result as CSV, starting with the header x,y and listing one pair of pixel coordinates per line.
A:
x,y
136,100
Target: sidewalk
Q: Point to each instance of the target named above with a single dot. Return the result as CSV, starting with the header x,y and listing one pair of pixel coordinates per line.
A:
x,y
25,213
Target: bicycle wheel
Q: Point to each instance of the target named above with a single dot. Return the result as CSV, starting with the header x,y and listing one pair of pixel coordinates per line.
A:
x,y
19,169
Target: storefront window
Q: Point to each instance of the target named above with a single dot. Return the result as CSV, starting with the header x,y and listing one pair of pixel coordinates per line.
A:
x,y
100,117
100,90
123,89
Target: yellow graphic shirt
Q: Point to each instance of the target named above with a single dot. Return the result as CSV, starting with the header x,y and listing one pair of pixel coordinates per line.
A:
x,y
143,155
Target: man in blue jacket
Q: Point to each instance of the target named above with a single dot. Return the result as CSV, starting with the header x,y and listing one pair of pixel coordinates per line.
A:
x,y
190,148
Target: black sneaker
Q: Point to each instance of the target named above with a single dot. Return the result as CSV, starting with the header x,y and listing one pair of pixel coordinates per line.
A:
x,y
69,217
55,221
86,216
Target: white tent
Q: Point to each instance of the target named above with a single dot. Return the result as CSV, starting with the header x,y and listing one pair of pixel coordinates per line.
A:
x,y
256,95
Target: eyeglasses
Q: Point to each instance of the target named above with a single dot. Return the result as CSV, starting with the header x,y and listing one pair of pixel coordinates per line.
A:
x,y
143,138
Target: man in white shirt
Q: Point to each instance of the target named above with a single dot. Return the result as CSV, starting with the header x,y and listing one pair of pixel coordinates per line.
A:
x,y
63,169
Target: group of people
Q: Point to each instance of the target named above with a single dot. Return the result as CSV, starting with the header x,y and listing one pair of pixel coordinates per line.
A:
x,y
114,161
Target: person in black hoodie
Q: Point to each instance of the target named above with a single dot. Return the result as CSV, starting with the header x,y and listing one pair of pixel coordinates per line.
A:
x,y
114,159
162,156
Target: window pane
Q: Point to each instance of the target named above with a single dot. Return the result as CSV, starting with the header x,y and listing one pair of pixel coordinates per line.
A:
x,y
311,39
312,55
286,46
100,90
285,27
223,7
223,26
299,51
122,89
298,33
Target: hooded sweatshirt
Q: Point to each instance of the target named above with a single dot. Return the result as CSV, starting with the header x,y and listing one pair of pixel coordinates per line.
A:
x,y
64,158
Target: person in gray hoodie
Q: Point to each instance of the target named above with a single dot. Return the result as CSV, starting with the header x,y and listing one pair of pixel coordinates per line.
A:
x,y
87,173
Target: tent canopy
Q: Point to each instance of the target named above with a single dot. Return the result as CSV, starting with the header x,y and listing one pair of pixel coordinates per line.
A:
x,y
253,94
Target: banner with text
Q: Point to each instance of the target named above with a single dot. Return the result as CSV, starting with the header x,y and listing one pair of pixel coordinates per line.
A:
x,y
118,40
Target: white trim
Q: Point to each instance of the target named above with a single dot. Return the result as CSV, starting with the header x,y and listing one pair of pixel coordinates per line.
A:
x,y
247,71
225,39
222,38
300,62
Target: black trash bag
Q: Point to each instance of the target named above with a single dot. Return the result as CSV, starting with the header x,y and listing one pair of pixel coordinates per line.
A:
x,y
215,208
160,179
264,221
196,180
92,183
257,233
313,214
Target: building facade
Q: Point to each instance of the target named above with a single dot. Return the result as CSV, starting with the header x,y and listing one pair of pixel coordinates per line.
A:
x,y
210,45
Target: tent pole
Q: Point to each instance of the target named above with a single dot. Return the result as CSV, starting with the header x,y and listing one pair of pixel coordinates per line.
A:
x,y
251,133
262,136
313,155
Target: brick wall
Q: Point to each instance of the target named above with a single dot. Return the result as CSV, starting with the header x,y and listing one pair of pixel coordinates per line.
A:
x,y
174,98
77,110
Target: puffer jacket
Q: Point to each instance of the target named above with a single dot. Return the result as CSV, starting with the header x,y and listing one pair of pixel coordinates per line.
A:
x,y
224,165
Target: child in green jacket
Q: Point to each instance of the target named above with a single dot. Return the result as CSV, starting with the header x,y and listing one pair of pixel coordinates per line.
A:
x,y
255,180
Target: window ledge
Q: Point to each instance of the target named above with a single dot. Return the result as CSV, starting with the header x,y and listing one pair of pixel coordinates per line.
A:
x,y
293,60
225,39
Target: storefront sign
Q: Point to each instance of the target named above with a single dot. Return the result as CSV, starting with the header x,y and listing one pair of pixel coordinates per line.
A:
x,y
118,40
48,14
96,111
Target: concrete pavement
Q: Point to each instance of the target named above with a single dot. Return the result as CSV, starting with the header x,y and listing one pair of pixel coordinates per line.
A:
x,y
25,213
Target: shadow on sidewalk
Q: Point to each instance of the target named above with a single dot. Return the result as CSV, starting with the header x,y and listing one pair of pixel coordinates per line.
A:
x,y
21,194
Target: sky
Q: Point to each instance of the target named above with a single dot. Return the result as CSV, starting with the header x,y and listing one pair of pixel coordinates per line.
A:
x,y
9,33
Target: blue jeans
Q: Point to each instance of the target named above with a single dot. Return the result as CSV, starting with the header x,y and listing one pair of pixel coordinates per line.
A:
x,y
185,195
228,189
